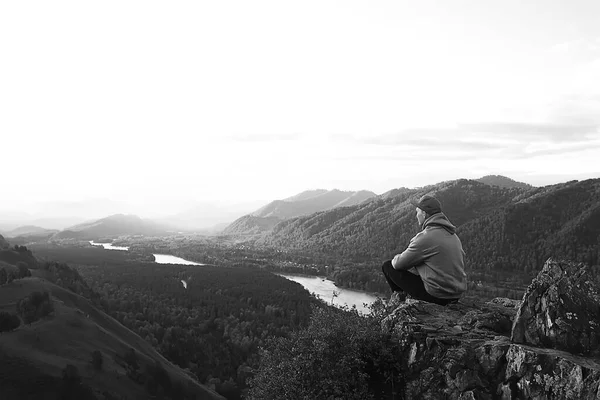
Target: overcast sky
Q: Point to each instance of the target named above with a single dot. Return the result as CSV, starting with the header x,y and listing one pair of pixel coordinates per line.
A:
x,y
155,101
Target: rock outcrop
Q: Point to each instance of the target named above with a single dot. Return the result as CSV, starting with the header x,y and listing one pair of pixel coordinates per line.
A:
x,y
464,351
561,310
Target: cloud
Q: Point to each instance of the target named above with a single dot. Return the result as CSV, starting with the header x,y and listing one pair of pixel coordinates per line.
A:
x,y
483,141
491,135
533,131
429,139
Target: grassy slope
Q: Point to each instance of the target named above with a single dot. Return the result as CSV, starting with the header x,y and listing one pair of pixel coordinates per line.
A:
x,y
71,335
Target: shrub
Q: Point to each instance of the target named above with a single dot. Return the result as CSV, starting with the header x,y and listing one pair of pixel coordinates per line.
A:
x,y
341,354
23,270
8,322
35,306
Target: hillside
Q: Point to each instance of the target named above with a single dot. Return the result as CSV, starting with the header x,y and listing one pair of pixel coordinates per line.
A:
x,y
29,230
310,202
40,352
3,243
305,203
503,181
251,225
15,254
506,232
553,221
380,227
115,225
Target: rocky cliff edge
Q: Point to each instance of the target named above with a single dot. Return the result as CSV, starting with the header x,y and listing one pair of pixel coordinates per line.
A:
x,y
545,346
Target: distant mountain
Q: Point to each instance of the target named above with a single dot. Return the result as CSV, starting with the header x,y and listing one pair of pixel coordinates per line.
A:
x,y
304,203
251,225
503,181
384,225
114,225
204,217
307,194
14,220
506,232
30,230
312,201
394,192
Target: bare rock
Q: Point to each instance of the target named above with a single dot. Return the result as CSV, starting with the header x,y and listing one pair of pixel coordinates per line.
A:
x,y
463,352
561,310
534,373
452,352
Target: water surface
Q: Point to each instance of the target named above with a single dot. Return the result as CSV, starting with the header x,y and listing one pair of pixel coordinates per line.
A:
x,y
169,259
109,246
326,290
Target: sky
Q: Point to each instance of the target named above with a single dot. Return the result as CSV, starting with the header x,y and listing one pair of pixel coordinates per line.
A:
x,y
163,104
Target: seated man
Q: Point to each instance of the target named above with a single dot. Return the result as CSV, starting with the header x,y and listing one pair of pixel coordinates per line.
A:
x,y
432,267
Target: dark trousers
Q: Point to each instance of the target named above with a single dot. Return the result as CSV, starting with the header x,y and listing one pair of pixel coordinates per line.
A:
x,y
404,281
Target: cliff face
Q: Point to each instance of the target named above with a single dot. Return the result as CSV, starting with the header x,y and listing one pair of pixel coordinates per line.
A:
x,y
543,347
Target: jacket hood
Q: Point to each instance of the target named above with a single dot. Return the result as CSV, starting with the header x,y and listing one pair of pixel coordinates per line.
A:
x,y
441,220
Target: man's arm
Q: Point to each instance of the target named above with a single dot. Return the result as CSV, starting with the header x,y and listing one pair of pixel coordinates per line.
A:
x,y
416,253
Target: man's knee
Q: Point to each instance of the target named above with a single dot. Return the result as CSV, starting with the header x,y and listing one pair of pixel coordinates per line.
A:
x,y
387,266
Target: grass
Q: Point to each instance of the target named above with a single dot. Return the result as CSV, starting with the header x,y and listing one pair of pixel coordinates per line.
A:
x,y
69,336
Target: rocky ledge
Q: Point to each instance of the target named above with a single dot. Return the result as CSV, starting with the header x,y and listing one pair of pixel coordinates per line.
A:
x,y
545,346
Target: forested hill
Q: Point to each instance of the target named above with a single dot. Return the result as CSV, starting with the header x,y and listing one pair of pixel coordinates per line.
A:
x,y
113,225
312,201
305,203
501,228
503,181
562,221
383,226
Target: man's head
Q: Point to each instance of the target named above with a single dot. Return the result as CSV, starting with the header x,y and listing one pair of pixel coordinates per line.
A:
x,y
426,206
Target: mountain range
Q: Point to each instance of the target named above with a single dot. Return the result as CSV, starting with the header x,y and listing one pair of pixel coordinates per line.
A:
x,y
503,229
114,225
304,203
214,218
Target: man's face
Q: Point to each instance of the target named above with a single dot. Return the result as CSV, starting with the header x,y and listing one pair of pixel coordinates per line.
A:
x,y
421,216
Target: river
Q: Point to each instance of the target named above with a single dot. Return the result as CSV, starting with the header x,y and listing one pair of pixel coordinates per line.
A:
x,y
158,258
318,286
325,290
109,246
169,259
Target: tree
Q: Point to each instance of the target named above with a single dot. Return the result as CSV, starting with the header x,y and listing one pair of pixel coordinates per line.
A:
x,y
3,276
340,355
35,306
23,270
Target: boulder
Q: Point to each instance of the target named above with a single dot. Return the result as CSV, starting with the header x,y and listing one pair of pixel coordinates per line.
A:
x,y
561,309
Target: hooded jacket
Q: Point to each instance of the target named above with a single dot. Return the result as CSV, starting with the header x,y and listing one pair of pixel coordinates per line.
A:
x,y
437,254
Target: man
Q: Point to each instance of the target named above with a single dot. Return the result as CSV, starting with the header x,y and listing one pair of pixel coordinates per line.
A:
x,y
432,267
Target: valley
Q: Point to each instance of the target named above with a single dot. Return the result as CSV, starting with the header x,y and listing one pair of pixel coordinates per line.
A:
x,y
210,305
